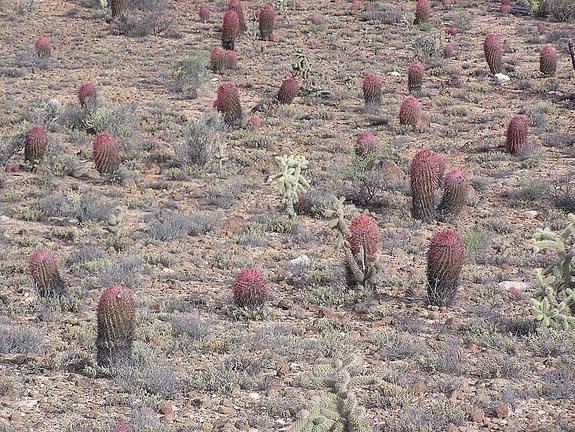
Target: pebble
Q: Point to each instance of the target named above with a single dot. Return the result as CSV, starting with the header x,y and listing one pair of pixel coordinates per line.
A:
x,y
302,260
478,415
501,411
165,407
501,79
226,410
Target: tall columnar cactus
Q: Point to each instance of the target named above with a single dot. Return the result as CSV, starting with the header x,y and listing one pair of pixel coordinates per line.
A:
x,y
106,153
87,95
43,47
493,49
288,90
426,171
409,112
422,12
249,288
517,134
366,144
228,103
237,7
445,258
118,8
548,61
116,315
372,89
204,13
266,21
455,190
415,73
217,59
35,144
43,268
230,29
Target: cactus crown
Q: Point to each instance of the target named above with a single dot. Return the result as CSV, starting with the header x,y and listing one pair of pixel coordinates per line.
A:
x,y
106,153
249,288
364,235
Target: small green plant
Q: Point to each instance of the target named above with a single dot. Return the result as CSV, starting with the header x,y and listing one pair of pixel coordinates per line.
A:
x,y
554,301
291,180
191,72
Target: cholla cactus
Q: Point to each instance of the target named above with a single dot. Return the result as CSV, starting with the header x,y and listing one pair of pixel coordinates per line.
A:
x,y
249,288
493,49
237,7
228,103
35,144
288,90
266,21
371,89
445,258
422,12
106,153
118,8
517,134
43,47
87,95
116,325
230,29
217,59
426,171
455,190
291,180
548,61
415,73
409,112
43,268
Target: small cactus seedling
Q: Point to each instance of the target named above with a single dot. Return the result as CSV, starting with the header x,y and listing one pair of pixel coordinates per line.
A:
x,y
409,112
267,19
422,12
445,258
426,171
44,271
230,29
249,288
548,61
106,153
517,134
204,13
316,19
237,7
217,59
493,49
87,95
364,235
35,144
372,89
448,50
455,190
231,59
288,90
118,8
116,324
415,73
43,47
228,103
366,144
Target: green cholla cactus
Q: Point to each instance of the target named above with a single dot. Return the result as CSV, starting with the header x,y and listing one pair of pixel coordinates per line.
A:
x,y
228,103
35,144
291,180
445,258
554,301
249,288
493,49
455,189
44,271
116,325
106,154
426,171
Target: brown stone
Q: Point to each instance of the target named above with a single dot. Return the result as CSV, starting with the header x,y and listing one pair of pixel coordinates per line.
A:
x,y
501,411
222,409
451,428
477,415
417,387
242,425
165,407
285,304
16,417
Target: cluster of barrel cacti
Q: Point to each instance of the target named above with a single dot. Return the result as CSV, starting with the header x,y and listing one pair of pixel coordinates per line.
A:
x,y
221,59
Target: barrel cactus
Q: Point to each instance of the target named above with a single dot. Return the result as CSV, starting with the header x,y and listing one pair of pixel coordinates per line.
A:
x,y
372,89
249,288
415,73
35,144
118,8
228,103
43,268
364,235
115,314
422,12
409,112
493,49
366,144
426,171
106,154
517,134
288,90
230,29
204,13
87,94
43,47
231,59
238,8
267,16
455,190
445,258
548,61
217,59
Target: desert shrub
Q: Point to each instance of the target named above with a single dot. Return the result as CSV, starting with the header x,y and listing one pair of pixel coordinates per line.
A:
x,y
191,72
167,225
19,339
559,10
147,17
199,141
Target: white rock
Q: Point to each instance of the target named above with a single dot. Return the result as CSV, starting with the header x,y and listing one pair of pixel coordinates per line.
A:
x,y
530,214
254,395
302,260
394,73
513,287
501,79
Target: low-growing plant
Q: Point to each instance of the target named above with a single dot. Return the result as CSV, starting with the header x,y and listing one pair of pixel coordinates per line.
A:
x,y
191,72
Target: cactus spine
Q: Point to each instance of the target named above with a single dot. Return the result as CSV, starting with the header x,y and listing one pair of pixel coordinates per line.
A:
x,y
445,258
517,134
228,103
415,73
230,29
372,89
455,190
106,154
35,144
288,90
43,268
43,47
493,49
249,288
266,21
548,61
426,171
409,112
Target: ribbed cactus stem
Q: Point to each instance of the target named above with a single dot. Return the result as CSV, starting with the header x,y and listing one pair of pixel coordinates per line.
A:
x,y
43,268
228,103
249,288
116,326
288,90
422,12
426,171
371,89
517,135
43,47
87,94
455,190
106,154
415,73
493,49
35,144
217,59
410,112
266,21
230,29
445,258
364,235
118,8
548,61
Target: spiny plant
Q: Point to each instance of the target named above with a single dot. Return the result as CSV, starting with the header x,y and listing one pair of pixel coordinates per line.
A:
x,y
554,301
249,288
455,190
365,144
231,61
35,144
409,112
230,29
363,242
291,180
422,12
43,268
448,50
371,89
217,59
288,90
43,47
517,134
426,171
266,22
237,7
548,61
115,314
493,49
87,94
445,258
118,8
228,103
415,73
106,153
204,13
337,409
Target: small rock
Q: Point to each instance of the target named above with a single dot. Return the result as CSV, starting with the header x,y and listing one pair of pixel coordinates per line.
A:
x,y
226,410
451,428
501,79
302,260
501,411
285,304
165,407
16,417
513,287
417,387
394,73
478,415
242,425
530,214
